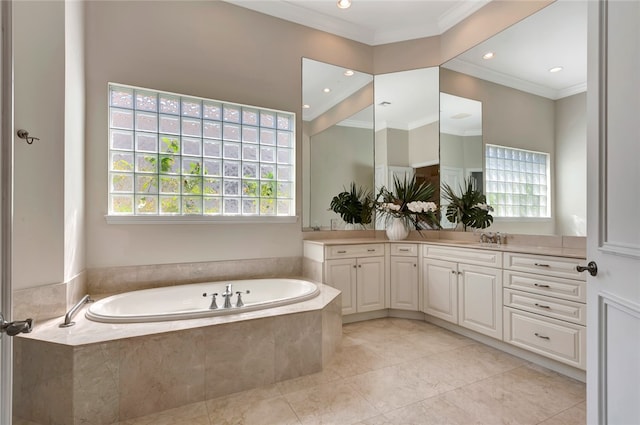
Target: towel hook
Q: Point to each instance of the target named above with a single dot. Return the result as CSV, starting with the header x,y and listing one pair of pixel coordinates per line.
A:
x,y
24,134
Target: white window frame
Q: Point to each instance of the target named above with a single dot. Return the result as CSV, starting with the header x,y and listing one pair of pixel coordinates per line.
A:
x,y
510,180
153,138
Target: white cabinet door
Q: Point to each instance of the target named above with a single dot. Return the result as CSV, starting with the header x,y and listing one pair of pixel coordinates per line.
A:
x,y
480,299
440,283
370,284
404,283
341,274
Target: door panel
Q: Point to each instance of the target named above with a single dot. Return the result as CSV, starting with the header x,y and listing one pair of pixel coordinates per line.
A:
x,y
613,149
404,283
341,274
480,299
370,281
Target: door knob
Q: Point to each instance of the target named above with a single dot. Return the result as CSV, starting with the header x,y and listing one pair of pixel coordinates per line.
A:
x,y
592,268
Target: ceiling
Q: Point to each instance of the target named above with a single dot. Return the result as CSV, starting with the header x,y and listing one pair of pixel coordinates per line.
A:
x,y
371,22
554,36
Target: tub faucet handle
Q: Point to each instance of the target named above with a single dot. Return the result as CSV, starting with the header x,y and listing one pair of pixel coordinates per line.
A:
x,y
213,305
239,303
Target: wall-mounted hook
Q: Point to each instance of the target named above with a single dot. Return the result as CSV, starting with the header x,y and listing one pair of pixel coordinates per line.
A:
x,y
24,134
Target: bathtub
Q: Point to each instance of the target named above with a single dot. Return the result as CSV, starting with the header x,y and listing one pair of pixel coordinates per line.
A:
x,y
190,302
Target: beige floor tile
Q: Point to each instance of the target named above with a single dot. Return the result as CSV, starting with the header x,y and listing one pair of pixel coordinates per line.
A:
x,y
433,411
521,396
356,359
191,414
19,421
308,381
396,386
332,403
244,411
576,415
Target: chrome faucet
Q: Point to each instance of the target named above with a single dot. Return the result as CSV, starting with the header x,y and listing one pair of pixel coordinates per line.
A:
x,y
490,237
213,305
228,293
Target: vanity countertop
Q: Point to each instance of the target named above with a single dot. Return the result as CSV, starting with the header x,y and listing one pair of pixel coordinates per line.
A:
x,y
556,251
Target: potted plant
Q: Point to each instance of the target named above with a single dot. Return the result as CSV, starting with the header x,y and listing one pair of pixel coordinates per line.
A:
x,y
468,206
354,206
408,206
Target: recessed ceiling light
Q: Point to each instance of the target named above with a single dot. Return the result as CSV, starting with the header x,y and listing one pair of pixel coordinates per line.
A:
x,y
305,106
344,4
556,69
326,89
488,55
348,73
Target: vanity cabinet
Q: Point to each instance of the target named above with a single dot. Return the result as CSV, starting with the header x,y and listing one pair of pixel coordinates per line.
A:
x,y
404,276
358,271
458,290
544,306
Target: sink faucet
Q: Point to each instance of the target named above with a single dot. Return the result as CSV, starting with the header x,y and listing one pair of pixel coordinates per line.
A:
x,y
490,237
228,293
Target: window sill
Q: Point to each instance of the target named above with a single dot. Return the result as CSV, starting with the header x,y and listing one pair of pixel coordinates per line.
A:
x,y
196,219
522,219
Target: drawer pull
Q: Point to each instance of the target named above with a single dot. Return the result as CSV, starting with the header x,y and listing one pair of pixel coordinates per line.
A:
x,y
541,336
342,252
541,306
404,249
541,265
371,250
539,285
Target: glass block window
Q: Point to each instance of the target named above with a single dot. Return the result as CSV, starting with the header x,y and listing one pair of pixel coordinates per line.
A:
x,y
517,182
173,155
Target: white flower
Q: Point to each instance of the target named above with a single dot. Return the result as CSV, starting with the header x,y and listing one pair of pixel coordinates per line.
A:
x,y
391,206
415,206
484,207
430,207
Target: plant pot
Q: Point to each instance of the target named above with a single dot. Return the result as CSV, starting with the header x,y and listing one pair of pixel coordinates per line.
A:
x,y
397,229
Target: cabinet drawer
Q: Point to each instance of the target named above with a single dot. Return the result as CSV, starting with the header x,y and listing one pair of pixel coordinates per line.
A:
x,y
574,290
478,257
546,306
404,249
351,251
561,341
542,264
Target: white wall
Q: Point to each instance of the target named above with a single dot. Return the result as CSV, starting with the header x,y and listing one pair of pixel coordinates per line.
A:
x,y
39,85
571,165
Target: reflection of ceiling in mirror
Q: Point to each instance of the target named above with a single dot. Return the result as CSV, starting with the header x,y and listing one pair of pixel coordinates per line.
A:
x,y
361,119
524,53
408,99
317,76
460,116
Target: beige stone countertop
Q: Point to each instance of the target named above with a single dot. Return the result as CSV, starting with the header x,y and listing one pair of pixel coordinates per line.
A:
x,y
86,331
556,251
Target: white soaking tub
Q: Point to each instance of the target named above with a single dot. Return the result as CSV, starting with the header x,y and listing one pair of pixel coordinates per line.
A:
x,y
190,302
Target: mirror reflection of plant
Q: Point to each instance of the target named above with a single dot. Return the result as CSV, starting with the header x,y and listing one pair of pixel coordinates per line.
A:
x,y
355,206
467,206
410,201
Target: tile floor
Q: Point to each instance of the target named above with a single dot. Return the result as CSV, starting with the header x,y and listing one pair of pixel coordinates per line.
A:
x,y
397,372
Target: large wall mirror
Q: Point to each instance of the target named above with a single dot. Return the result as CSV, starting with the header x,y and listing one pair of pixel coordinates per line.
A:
x,y
407,127
531,83
337,136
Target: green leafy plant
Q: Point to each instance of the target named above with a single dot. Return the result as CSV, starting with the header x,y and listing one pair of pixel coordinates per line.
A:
x,y
410,201
355,206
467,206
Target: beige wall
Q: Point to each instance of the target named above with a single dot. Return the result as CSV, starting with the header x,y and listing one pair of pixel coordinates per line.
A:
x,y
424,145
339,155
571,165
208,49
39,90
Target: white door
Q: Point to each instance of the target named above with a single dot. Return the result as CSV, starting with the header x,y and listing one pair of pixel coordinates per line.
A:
x,y
613,150
440,289
404,283
480,299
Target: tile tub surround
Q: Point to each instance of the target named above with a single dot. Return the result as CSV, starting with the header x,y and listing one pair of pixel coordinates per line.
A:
x,y
97,373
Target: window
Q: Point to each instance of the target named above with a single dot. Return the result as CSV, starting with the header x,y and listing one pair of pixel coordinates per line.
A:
x,y
174,155
517,182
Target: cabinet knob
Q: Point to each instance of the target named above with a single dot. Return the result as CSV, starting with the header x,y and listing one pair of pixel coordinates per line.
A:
x,y
415,265
354,266
359,265
453,272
